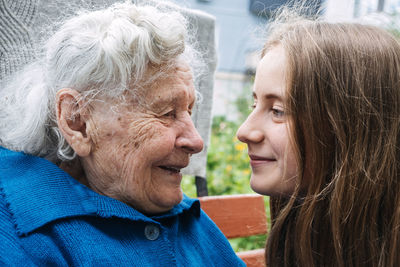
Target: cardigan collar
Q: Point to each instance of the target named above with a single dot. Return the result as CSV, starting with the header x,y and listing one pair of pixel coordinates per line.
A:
x,y
38,192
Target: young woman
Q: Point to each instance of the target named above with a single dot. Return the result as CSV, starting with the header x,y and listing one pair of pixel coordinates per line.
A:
x,y
324,143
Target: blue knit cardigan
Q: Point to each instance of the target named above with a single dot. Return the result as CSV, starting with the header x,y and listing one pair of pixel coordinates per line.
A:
x,y
47,218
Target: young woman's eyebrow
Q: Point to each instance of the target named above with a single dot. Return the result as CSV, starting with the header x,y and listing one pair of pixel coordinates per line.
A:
x,y
269,96
272,96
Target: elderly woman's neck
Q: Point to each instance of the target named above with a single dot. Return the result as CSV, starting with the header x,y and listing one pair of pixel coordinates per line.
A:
x,y
74,169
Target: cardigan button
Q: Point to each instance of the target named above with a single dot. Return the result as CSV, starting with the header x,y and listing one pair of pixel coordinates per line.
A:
x,y
152,232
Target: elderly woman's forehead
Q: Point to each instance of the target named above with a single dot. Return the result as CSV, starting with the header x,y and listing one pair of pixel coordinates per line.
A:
x,y
179,67
183,66
179,74
172,88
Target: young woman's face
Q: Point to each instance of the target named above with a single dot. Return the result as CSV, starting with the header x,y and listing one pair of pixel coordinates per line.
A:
x,y
266,130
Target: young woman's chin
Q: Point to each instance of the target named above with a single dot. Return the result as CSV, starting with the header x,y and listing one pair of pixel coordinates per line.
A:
x,y
269,187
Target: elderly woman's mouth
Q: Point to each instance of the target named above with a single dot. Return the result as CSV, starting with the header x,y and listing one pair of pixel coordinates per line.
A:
x,y
175,169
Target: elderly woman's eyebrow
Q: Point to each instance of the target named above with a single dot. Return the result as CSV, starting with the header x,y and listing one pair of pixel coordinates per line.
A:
x,y
173,99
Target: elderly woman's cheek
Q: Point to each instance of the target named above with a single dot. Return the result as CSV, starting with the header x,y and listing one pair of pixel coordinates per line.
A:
x,y
143,131
139,132
150,139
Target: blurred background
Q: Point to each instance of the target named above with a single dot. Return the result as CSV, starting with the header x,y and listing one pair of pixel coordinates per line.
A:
x,y
239,35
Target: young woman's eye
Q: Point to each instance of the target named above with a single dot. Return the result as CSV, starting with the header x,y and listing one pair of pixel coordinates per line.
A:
x,y
278,113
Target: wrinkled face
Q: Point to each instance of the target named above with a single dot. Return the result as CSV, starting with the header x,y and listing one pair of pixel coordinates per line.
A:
x,y
266,130
140,148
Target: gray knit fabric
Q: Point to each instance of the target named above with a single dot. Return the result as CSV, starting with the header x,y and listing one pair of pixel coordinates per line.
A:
x,y
205,25
25,23
16,44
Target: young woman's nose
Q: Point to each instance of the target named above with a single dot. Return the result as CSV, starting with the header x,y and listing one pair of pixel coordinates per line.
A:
x,y
250,131
189,140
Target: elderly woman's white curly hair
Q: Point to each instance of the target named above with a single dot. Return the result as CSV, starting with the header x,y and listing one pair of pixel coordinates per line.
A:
x,y
96,53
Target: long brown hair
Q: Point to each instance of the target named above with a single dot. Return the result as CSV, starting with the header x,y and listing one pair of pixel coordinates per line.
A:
x,y
344,97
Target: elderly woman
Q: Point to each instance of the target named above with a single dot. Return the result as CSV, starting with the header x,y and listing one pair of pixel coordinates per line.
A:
x,y
95,136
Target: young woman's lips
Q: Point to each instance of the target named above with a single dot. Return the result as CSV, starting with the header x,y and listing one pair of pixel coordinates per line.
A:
x,y
257,161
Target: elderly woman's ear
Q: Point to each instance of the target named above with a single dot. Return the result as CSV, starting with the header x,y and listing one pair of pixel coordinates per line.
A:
x,y
72,116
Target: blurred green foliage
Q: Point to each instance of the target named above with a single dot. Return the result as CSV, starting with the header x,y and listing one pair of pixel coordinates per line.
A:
x,y
228,170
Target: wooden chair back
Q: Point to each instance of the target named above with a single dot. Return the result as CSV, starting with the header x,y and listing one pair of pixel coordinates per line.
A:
x,y
239,216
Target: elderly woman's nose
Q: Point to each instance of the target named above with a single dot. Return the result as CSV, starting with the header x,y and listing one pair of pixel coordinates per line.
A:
x,y
190,139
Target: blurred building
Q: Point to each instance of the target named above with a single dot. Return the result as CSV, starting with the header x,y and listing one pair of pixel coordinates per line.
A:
x,y
239,28
337,10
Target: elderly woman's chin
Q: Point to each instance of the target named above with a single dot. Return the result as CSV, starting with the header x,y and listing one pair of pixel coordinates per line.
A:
x,y
138,177
166,196
160,192
147,177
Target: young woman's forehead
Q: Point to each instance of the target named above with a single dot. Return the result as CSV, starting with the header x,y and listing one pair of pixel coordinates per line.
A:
x,y
270,78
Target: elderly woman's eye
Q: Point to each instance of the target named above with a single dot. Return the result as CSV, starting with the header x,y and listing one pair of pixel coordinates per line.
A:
x,y
171,114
